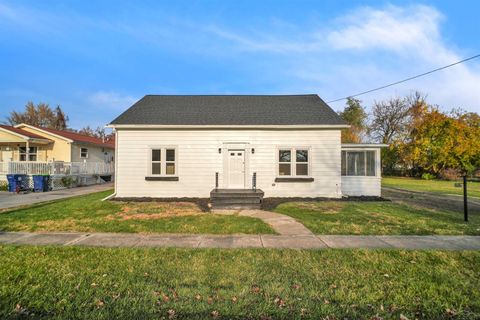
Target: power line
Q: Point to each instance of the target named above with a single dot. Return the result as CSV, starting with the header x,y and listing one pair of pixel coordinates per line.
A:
x,y
405,80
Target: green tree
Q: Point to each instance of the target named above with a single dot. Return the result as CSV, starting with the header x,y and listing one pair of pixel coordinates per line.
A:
x,y
354,114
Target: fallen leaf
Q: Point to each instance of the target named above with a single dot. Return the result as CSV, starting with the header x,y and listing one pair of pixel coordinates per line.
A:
x,y
234,299
20,310
166,298
303,311
209,300
333,286
296,286
386,275
99,303
451,312
198,297
93,284
215,314
171,313
402,317
279,302
325,301
255,289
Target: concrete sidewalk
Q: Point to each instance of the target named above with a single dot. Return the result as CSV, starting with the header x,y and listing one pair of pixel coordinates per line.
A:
x,y
241,241
12,200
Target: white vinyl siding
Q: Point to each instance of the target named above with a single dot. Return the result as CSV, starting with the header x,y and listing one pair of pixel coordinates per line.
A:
x,y
202,153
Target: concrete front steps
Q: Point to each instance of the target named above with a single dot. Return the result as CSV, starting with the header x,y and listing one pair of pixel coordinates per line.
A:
x,y
236,198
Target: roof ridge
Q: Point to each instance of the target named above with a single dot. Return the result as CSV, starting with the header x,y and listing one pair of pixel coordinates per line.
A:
x,y
231,95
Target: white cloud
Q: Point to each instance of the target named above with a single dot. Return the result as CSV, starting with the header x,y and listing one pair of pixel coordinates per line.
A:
x,y
367,48
111,100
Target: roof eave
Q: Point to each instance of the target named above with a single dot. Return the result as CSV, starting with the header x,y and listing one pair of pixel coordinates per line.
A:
x,y
364,145
43,131
158,126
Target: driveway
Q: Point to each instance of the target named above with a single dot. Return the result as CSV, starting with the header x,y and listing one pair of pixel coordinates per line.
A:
x,y
11,200
432,200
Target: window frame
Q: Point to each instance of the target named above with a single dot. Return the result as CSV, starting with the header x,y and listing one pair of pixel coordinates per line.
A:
x,y
344,162
81,152
29,154
163,161
293,162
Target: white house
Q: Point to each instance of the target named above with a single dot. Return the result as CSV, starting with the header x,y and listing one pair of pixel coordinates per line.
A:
x,y
225,146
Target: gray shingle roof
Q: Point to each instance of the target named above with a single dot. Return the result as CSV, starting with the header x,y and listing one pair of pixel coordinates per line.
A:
x,y
229,110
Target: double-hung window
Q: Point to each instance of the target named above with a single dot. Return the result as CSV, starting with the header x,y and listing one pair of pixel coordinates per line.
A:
x,y
30,156
293,162
358,163
163,161
84,153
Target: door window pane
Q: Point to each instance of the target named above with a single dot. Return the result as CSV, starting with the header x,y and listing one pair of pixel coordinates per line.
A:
x,y
370,163
284,169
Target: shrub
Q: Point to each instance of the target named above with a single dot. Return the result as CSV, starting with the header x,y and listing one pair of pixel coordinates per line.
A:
x,y
428,176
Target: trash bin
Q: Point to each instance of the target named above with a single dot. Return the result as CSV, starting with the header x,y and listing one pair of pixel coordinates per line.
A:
x,y
17,182
40,183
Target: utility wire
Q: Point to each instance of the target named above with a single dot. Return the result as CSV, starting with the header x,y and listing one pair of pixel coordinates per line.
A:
x,y
405,80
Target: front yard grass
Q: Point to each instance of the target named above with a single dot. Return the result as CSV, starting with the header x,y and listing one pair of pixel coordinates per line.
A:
x,y
89,214
102,283
378,218
433,186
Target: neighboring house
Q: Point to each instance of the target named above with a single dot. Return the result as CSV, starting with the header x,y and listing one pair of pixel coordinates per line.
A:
x,y
197,146
36,144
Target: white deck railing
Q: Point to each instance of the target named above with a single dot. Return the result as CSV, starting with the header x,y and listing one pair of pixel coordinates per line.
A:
x,y
52,168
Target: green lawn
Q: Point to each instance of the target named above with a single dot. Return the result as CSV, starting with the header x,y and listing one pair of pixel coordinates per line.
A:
x,y
381,218
434,186
101,283
89,214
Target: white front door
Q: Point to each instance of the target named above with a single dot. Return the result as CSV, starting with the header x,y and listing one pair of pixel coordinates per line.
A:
x,y
236,169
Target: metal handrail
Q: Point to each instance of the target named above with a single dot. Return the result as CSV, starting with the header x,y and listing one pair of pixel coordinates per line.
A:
x,y
254,181
216,181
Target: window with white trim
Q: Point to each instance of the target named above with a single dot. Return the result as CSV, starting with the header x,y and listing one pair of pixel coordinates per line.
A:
x,y
32,153
163,161
359,163
293,162
83,153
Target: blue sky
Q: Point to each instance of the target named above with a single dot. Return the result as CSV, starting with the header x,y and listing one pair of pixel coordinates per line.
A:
x,y
96,58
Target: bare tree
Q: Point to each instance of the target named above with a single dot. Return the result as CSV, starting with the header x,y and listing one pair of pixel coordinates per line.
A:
x,y
389,119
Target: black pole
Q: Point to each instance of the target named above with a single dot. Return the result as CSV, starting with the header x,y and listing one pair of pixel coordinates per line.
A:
x,y
465,202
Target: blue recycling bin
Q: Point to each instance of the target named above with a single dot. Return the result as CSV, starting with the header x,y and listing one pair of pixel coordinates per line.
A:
x,y
17,182
40,183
